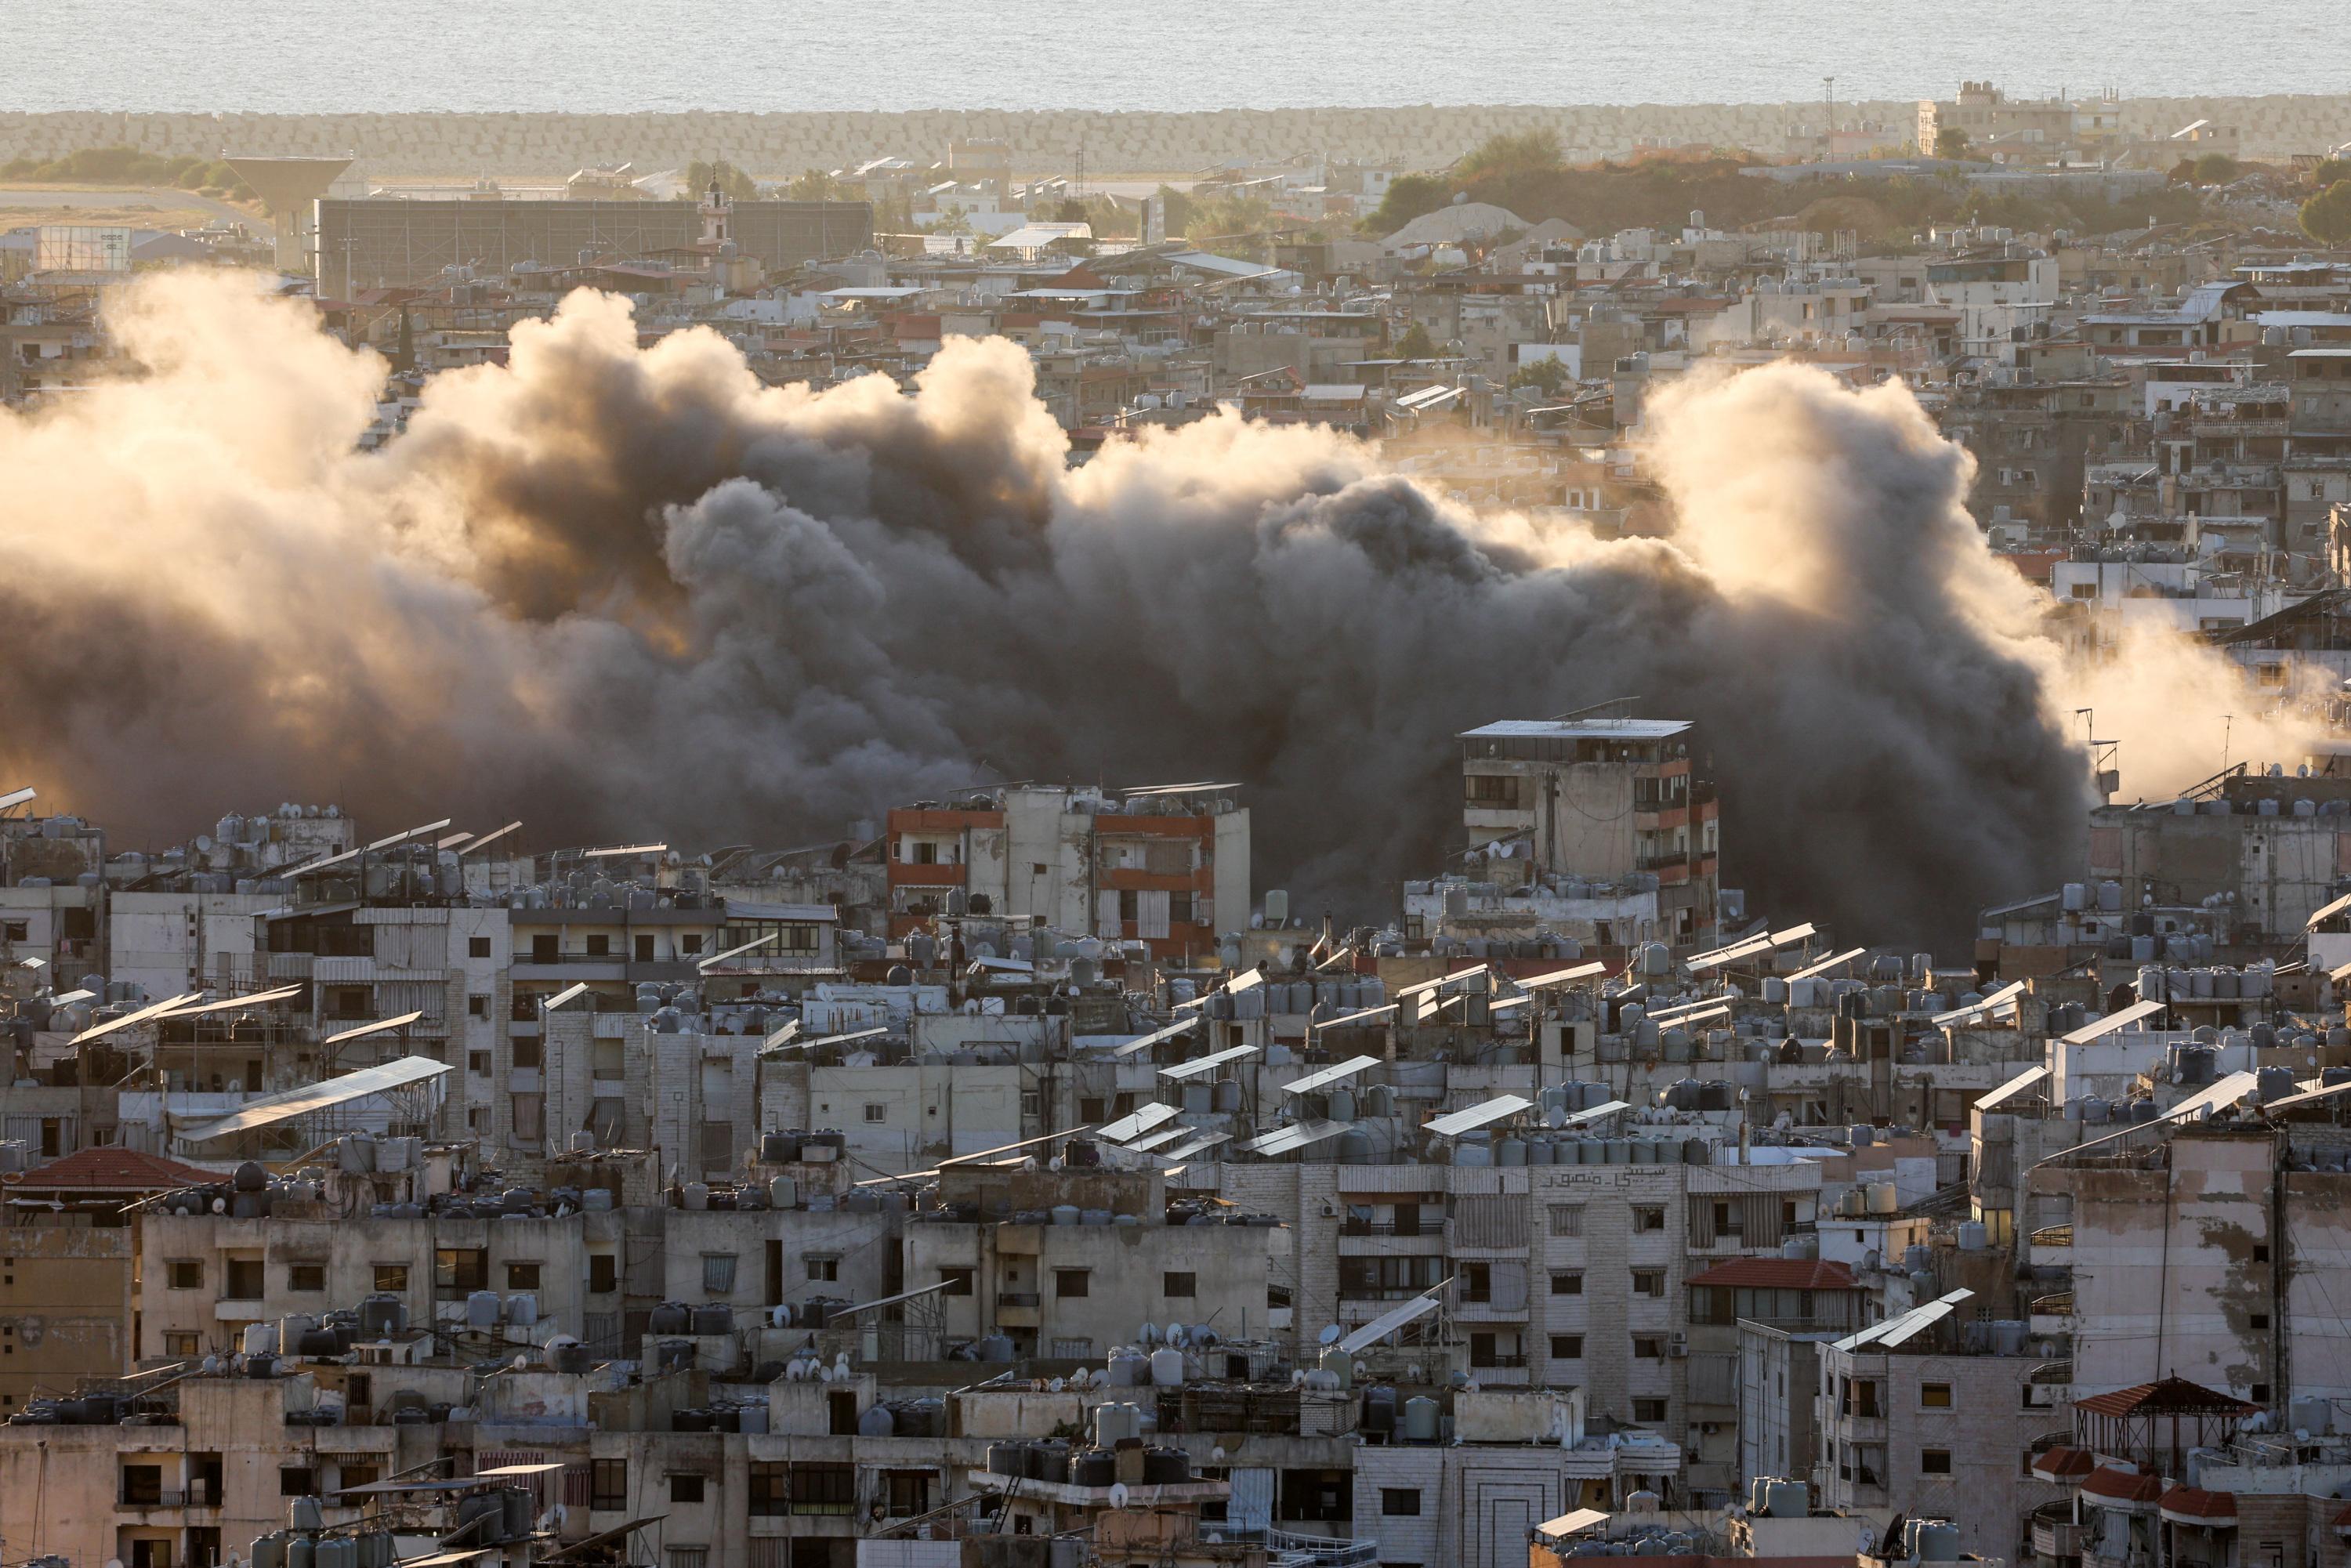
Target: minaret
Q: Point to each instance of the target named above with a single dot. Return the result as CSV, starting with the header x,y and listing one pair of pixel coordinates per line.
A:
x,y
714,208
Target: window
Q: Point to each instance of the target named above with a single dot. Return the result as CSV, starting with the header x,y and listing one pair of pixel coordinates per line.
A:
x,y
1179,1286
603,1274
142,1485
1567,1347
545,948
306,1276
1648,1410
347,1001
529,1115
600,946
184,1274
691,944
771,1494
1729,1219
527,1052
1128,905
820,1267
477,946
689,1557
824,1488
718,1273
2257,1321
1648,1347
607,1484
1491,789
392,1277
243,1281
182,1341
2260,1252
477,1006
1649,1282
1567,1219
478,1064
1072,1283
1400,1502
644,947
957,1281
1934,1396
297,1480
1179,909
909,1492
875,1111
1649,1216
460,1269
685,1486
1934,1461
522,1276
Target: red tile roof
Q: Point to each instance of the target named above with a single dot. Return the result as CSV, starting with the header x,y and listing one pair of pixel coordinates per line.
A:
x,y
2166,1396
2064,1465
112,1170
1779,1274
2122,1486
2194,1505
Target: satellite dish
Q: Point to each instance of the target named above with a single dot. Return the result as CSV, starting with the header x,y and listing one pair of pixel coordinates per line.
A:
x,y
1118,1495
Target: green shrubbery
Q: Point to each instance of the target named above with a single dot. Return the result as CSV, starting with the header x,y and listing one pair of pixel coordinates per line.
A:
x,y
128,166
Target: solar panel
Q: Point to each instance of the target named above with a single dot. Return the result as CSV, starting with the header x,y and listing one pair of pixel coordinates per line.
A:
x,y
1157,1036
1826,965
577,989
1667,1014
1701,1013
1562,977
793,1043
1387,1323
1298,1136
16,798
624,850
2113,1021
756,942
1469,974
2323,1092
402,838
99,1032
2013,1087
287,1103
1338,1073
1579,1118
381,1026
1916,1322
2322,913
1362,1018
1204,1141
1479,1115
1208,1063
486,838
451,842
74,996
225,1003
1141,1122
2000,998
1143,1145
1896,1325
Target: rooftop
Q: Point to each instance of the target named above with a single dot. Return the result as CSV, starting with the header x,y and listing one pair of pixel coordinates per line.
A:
x,y
1779,1274
112,1169
1580,729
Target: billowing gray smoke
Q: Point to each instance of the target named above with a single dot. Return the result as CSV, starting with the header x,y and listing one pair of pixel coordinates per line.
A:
x,y
617,590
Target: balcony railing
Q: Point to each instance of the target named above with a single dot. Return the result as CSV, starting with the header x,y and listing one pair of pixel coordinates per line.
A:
x,y
189,1497
1497,1359
2054,1236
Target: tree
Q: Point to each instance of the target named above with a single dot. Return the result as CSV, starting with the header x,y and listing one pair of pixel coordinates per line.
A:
x,y
816,186
1408,196
738,185
1501,156
1950,141
2330,170
2215,169
1546,375
1415,344
2326,216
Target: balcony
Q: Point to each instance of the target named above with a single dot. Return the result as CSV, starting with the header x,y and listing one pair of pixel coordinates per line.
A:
x,y
2054,1533
2052,1246
1017,1309
2053,1314
198,1496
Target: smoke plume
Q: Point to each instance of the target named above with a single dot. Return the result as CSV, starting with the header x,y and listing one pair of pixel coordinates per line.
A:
x,y
616,591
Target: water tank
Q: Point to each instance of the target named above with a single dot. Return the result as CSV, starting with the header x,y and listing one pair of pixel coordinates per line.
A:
x,y
670,1318
1936,1541
877,1422
1166,1467
1420,1419
1128,1367
1355,1147
1116,1421
1067,1214
305,1513
1093,1468
483,1310
696,1196
1973,1237
269,1550
1166,1368
1008,1458
301,1551
1786,1499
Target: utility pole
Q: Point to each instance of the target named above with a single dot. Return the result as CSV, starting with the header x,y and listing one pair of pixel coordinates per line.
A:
x,y
1828,107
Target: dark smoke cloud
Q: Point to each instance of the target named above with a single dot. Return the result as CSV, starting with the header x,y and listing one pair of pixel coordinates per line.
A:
x,y
617,590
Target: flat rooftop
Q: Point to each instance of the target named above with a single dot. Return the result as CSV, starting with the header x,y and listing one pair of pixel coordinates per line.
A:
x,y
1578,729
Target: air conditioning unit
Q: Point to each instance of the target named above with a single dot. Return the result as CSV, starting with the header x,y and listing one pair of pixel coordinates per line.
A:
x,y
1677,1346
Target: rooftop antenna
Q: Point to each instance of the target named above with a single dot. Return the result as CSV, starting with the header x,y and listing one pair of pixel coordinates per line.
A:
x,y
1828,128
2228,721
